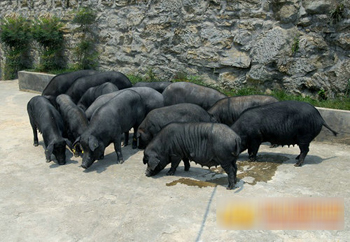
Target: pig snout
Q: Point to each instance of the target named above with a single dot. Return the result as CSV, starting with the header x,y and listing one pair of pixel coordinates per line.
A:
x,y
148,171
87,162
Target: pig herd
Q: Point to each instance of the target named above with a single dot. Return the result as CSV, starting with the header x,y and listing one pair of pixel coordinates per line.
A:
x,y
87,110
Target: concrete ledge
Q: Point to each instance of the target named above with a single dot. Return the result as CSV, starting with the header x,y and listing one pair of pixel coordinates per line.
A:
x,y
33,81
339,121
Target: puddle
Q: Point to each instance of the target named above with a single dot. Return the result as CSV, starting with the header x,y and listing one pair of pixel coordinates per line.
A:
x,y
249,172
261,171
191,182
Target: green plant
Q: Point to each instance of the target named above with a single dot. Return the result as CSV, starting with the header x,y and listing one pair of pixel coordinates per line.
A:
x,y
135,79
48,32
295,45
151,76
85,17
337,14
85,50
322,94
16,40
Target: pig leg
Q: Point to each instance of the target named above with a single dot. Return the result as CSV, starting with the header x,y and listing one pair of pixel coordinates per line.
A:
x,y
126,138
304,149
187,164
175,161
118,150
235,171
231,170
35,133
253,150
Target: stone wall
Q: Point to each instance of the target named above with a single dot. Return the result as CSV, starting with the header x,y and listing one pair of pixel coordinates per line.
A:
x,y
302,46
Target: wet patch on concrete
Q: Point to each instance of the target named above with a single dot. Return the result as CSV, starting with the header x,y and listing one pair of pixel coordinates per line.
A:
x,y
249,172
191,182
259,171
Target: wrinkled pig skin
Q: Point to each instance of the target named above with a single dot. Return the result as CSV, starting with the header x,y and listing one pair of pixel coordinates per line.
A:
x,y
209,144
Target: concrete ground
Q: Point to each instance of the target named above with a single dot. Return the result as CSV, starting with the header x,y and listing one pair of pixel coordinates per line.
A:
x,y
42,201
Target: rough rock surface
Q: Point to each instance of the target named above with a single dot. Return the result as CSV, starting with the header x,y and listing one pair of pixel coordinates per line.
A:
x,y
301,46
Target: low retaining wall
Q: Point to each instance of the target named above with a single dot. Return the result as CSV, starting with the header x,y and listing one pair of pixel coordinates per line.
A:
x,y
338,120
33,81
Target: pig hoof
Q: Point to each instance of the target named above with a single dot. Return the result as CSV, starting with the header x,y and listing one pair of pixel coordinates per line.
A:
x,y
297,165
35,144
170,173
48,161
120,162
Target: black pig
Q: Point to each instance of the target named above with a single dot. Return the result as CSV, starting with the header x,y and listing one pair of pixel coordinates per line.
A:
x,y
227,110
186,92
119,115
44,117
151,99
160,117
94,92
81,85
61,83
208,144
74,118
281,123
158,86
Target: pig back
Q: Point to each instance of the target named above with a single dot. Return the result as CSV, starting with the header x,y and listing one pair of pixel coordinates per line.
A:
x,y
184,92
285,122
227,110
126,109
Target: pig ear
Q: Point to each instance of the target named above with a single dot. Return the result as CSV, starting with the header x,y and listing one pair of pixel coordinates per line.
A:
x,y
68,143
76,142
48,152
152,163
93,143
